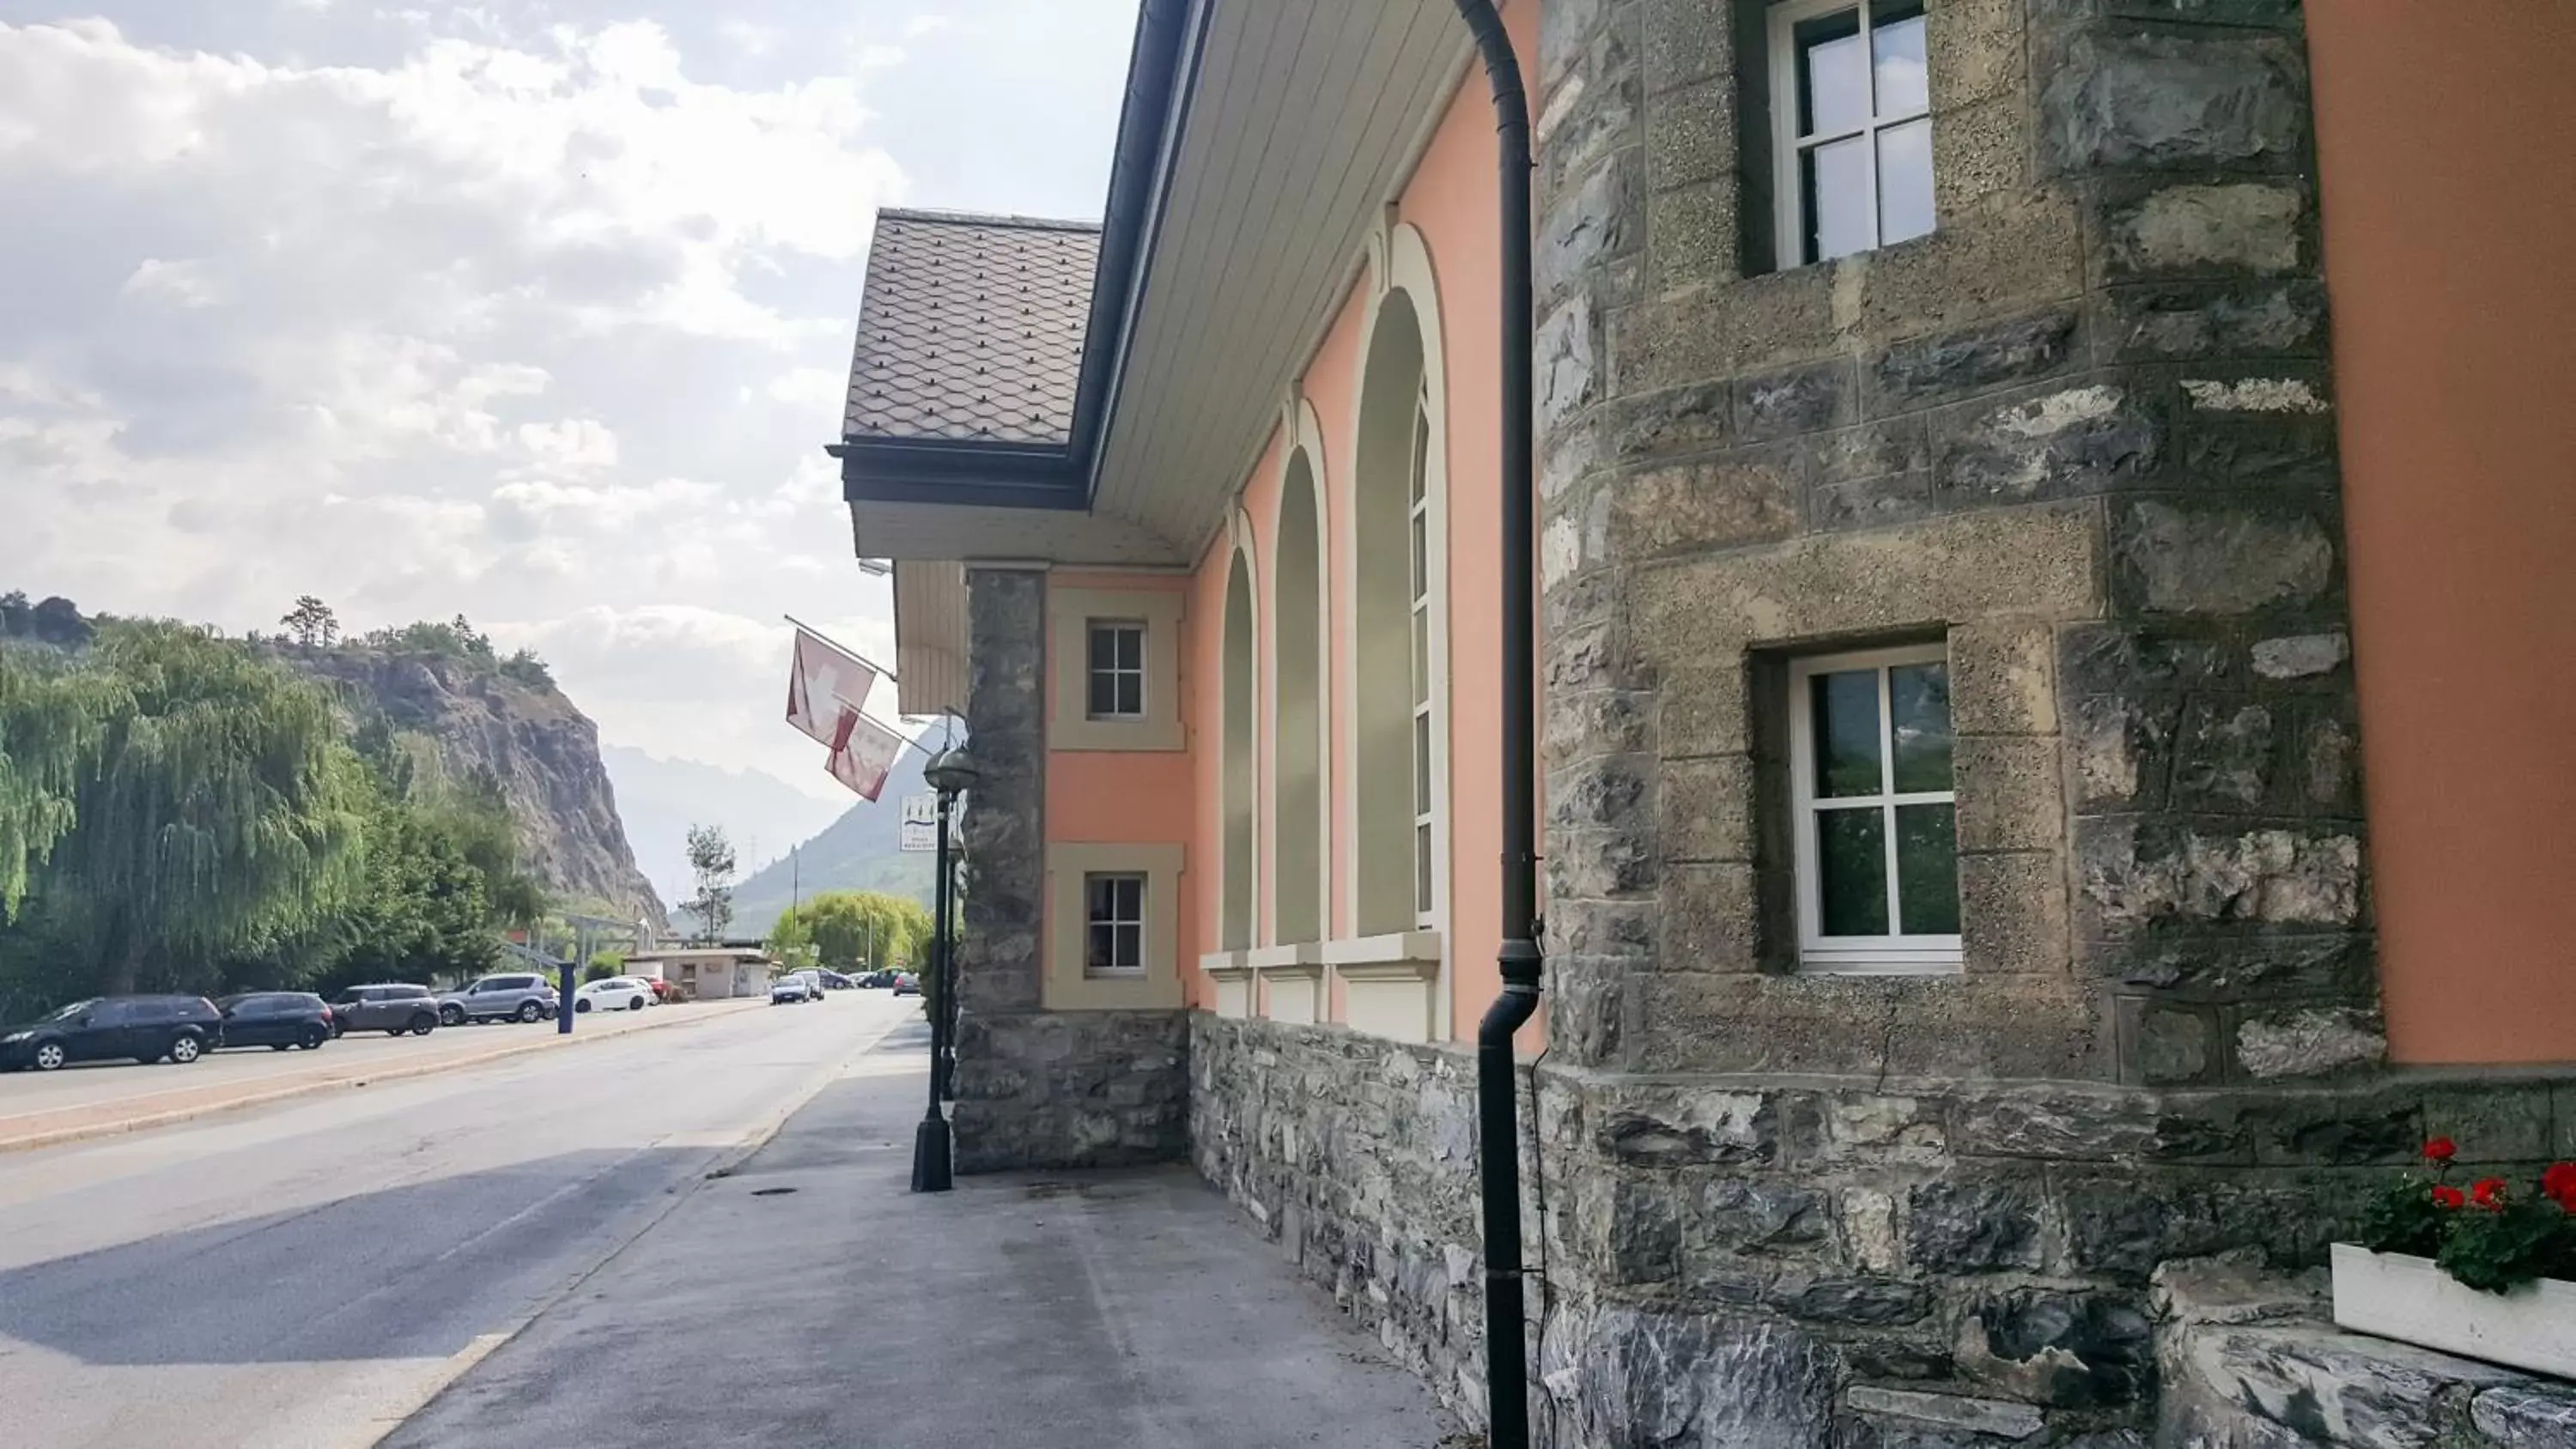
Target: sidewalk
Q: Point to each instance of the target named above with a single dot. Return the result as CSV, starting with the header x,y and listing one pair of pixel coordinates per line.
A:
x,y
810,1299
41,1110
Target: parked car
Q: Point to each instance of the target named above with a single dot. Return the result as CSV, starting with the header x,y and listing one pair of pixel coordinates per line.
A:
x,y
835,981
665,992
906,984
512,996
145,1028
794,989
393,1008
613,993
876,980
278,1020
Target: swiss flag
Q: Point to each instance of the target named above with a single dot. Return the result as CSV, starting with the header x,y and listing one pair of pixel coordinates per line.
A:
x,y
824,683
863,753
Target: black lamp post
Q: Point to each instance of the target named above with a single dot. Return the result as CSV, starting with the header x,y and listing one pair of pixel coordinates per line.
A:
x,y
951,775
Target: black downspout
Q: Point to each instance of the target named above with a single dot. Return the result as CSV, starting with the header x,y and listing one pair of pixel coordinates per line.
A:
x,y
1497,1105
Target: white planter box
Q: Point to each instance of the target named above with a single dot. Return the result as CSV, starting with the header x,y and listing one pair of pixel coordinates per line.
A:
x,y
2411,1300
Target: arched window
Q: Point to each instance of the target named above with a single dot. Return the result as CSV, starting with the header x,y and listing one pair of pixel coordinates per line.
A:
x,y
1397,701
1297,758
1235,906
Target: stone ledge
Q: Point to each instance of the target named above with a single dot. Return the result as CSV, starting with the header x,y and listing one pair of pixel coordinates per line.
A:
x,y
2247,1362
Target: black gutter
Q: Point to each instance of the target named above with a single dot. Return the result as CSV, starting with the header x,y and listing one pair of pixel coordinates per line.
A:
x,y
1497,1101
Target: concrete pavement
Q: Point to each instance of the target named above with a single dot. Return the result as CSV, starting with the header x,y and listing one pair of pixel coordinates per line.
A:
x,y
809,1299
98,1098
302,1276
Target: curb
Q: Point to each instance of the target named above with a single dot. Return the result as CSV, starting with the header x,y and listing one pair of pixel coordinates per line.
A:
x,y
58,1136
722,1165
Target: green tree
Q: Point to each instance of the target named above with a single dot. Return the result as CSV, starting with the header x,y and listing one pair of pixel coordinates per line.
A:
x,y
311,623
52,722
711,858
223,808
855,930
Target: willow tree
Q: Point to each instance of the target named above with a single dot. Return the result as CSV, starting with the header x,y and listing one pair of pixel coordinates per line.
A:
x,y
52,718
222,807
853,929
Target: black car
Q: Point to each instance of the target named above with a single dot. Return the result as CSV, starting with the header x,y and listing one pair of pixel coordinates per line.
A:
x,y
275,1019
835,981
392,1008
146,1028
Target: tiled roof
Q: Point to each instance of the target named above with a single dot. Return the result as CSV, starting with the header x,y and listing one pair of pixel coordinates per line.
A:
x,y
972,328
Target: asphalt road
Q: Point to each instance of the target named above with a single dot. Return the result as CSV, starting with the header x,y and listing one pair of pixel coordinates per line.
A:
x,y
305,1275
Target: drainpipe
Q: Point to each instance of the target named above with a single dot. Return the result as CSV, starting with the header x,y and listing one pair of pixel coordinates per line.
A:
x,y
1497,1106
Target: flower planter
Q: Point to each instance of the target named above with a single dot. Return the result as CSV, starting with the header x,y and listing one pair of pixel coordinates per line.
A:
x,y
2413,1301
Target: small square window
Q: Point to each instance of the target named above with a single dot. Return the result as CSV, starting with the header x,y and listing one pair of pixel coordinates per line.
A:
x,y
1877,847
1116,670
1851,127
1114,925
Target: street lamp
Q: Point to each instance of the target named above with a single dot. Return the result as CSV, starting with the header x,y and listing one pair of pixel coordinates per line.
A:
x,y
951,775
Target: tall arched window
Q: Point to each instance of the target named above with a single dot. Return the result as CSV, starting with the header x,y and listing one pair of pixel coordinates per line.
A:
x,y
1399,551
1236,905
1297,639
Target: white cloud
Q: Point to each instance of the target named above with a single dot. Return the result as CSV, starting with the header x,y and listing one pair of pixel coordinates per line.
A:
x,y
433,309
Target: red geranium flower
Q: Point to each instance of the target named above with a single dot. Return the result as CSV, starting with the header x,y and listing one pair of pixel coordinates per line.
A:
x,y
2488,1193
2559,1184
2447,1196
2441,1149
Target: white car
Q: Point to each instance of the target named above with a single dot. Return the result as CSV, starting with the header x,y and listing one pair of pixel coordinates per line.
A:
x,y
795,990
614,993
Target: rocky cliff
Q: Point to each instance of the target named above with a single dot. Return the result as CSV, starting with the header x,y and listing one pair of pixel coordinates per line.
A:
x,y
477,723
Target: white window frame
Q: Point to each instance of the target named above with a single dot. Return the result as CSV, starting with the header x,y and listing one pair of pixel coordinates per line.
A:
x,y
1423,740
1896,953
1789,198
1139,923
1142,673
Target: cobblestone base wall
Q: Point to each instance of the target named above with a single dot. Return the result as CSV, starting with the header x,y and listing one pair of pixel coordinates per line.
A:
x,y
1806,1263
1358,1156
1052,1089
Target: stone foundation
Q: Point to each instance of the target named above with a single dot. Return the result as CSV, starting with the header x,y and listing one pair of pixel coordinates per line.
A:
x,y
1813,1263
1056,1089
1358,1156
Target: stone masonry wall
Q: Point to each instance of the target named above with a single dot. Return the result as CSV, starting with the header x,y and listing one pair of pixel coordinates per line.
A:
x,y
1035,1088
1357,1155
2082,432
1811,1264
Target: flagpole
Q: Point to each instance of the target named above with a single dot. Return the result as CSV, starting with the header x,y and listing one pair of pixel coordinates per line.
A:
x,y
844,648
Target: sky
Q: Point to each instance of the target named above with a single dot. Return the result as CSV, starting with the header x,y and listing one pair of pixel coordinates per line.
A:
x,y
537,311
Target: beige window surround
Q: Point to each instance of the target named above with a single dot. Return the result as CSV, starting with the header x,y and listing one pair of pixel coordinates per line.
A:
x,y
1067,988
1390,983
1070,614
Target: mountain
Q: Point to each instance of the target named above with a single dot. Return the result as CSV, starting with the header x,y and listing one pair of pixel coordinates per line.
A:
x,y
474,721
660,799
856,852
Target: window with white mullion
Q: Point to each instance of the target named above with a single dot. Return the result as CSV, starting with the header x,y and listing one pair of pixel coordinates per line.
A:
x,y
1852,128
1419,526
1876,827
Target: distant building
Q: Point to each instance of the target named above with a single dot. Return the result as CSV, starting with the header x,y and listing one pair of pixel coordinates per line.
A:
x,y
708,973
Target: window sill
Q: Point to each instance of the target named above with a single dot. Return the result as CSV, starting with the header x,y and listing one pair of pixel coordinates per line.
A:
x,y
1400,954
1855,963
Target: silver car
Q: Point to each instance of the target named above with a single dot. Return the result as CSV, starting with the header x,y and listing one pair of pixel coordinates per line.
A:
x,y
512,996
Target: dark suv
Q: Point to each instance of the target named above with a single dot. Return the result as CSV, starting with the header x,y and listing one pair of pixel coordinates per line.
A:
x,y
146,1028
392,1009
275,1019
